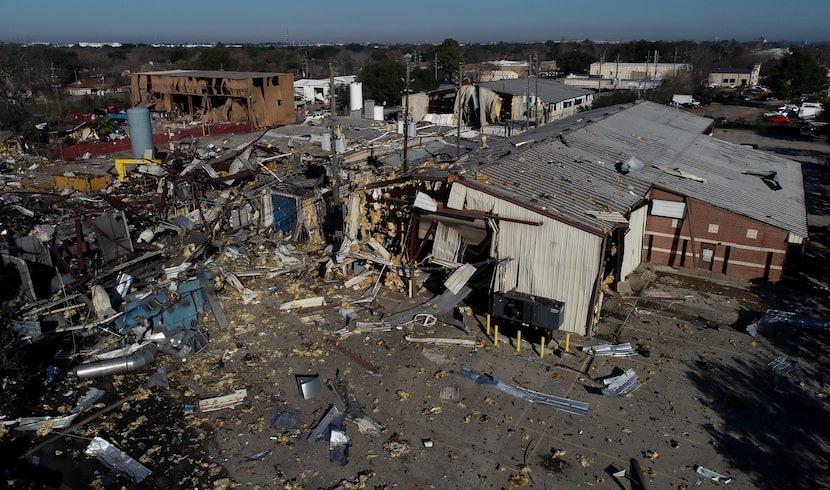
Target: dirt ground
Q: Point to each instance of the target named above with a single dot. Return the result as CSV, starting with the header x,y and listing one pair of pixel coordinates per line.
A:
x,y
707,398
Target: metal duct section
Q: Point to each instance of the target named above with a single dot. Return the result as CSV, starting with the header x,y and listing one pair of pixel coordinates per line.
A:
x,y
132,362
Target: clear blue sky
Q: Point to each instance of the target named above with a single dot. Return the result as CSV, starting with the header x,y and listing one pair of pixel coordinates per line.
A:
x,y
424,21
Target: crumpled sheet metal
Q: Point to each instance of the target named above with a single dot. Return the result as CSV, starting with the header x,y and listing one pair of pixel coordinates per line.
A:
x,y
608,350
165,310
621,385
117,460
570,406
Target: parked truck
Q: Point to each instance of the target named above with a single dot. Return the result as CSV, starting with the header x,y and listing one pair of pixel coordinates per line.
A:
x,y
680,100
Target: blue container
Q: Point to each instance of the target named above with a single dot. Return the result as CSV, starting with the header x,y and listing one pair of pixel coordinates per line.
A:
x,y
141,131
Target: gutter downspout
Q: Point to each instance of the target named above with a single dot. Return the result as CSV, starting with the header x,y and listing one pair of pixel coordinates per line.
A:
x,y
132,362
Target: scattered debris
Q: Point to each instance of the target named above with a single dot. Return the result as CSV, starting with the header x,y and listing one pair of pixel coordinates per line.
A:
x,y
396,447
788,318
570,406
781,365
471,343
621,385
608,350
712,475
222,402
117,460
309,385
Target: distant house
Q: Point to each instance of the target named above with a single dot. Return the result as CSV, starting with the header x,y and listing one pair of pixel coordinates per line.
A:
x,y
735,77
553,100
89,86
263,99
317,90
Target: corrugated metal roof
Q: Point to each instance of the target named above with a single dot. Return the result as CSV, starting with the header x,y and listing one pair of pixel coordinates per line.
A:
x,y
235,75
570,168
548,90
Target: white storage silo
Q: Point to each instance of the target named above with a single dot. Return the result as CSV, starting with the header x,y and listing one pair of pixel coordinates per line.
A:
x,y
378,116
356,96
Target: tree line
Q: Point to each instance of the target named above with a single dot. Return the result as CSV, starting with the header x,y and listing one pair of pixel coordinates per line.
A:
x,y
32,77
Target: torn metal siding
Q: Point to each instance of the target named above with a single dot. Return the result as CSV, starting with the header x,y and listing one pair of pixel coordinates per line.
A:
x,y
554,260
633,241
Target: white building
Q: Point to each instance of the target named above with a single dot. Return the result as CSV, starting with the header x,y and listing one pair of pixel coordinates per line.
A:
x,y
311,90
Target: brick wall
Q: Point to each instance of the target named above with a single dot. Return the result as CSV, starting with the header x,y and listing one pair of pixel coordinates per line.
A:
x,y
724,242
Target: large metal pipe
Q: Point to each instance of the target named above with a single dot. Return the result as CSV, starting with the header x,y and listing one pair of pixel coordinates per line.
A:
x,y
132,362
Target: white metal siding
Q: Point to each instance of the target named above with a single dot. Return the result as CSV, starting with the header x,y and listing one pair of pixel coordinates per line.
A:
x,y
554,260
668,209
633,242
446,243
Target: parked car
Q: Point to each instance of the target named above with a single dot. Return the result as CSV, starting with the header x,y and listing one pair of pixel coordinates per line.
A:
x,y
778,119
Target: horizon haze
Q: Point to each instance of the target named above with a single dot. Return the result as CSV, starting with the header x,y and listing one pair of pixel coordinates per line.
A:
x,y
427,22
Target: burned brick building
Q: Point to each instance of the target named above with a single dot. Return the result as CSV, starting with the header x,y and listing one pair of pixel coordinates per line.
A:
x,y
264,99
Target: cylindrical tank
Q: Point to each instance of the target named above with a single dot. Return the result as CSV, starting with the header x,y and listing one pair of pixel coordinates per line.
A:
x,y
356,96
340,146
400,127
141,131
410,129
378,113
326,146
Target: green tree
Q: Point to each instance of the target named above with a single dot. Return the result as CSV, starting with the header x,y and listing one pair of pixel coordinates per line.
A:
x,y
797,74
449,56
215,58
383,81
575,62
103,126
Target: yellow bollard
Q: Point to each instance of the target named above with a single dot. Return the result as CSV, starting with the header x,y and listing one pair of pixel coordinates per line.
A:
x,y
488,324
496,337
567,342
518,341
542,348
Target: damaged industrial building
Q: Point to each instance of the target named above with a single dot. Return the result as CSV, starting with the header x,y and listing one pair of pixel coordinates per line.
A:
x,y
188,256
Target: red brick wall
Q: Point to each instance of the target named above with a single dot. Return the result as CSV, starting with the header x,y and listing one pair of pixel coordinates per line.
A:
x,y
734,253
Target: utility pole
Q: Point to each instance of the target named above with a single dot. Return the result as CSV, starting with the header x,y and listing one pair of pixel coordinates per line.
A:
x,y
458,100
527,103
599,83
617,72
408,58
536,90
335,158
656,57
435,64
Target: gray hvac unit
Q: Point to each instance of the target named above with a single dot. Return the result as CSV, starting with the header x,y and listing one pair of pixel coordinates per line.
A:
x,y
528,310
